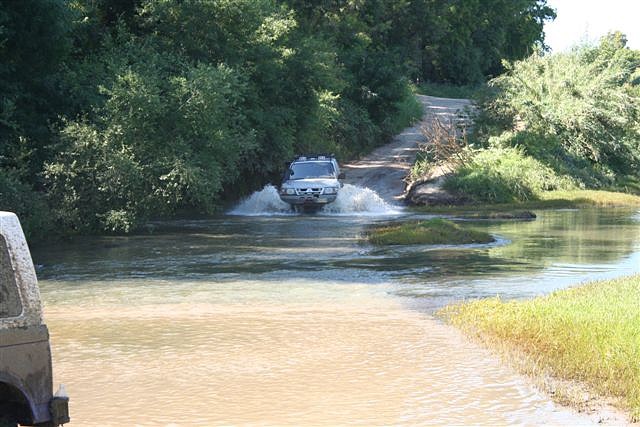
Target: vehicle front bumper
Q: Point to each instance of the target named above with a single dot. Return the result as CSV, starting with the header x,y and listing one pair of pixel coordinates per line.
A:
x,y
308,199
59,407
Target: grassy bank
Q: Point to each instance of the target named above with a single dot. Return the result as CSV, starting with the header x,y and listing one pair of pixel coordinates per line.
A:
x,y
547,200
589,334
587,198
435,231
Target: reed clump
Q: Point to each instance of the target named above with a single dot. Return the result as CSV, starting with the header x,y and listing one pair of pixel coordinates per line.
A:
x,y
589,334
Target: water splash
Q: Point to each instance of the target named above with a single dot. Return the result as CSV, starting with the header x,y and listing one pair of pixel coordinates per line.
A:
x,y
354,200
263,202
351,200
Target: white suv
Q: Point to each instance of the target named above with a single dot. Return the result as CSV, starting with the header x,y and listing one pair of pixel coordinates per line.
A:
x,y
311,181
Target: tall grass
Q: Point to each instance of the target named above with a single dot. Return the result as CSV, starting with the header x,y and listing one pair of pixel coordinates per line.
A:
x,y
589,333
503,175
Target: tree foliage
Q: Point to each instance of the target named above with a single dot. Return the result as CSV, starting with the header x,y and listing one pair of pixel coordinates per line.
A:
x,y
576,113
116,111
580,107
34,42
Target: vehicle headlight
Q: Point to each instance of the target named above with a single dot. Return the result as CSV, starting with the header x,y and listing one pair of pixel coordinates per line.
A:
x,y
330,190
291,191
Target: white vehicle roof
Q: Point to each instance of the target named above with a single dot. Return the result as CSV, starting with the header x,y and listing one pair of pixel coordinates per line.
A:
x,y
25,275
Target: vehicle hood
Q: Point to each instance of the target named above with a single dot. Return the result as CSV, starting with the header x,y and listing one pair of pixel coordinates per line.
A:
x,y
311,182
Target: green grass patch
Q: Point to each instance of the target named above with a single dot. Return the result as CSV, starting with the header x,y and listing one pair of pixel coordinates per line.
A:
x,y
585,198
547,200
444,90
435,231
504,175
589,334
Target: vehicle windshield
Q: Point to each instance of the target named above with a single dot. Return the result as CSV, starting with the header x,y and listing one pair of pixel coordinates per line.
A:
x,y
312,170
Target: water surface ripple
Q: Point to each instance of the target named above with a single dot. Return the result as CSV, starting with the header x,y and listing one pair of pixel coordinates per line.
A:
x,y
294,320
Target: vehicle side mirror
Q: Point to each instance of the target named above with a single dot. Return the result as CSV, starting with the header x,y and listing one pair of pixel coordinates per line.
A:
x,y
342,175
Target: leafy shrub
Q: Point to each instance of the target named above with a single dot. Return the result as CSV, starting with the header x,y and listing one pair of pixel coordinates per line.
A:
x,y
30,206
549,150
406,110
504,175
167,136
577,112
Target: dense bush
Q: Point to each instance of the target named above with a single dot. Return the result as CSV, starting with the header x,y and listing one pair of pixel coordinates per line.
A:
x,y
28,204
504,175
168,134
574,111
169,129
558,121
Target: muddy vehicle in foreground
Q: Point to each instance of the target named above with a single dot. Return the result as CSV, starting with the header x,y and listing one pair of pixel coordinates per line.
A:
x,y
26,383
311,181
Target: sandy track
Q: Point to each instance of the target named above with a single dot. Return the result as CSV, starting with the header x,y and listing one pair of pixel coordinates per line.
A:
x,y
385,168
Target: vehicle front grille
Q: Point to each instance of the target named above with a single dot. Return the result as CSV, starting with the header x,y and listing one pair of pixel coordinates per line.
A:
x,y
308,191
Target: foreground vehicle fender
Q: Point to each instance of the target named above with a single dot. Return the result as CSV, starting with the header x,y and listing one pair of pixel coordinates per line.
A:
x,y
26,381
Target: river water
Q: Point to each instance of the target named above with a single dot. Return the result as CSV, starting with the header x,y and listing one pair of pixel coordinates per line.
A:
x,y
264,317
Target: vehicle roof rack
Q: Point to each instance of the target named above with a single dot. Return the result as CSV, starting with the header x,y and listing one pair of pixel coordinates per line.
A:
x,y
318,156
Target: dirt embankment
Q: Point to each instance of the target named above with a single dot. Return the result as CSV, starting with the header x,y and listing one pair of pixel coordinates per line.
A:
x,y
385,168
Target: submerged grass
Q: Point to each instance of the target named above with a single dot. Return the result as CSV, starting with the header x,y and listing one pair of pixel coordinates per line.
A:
x,y
547,200
589,334
436,231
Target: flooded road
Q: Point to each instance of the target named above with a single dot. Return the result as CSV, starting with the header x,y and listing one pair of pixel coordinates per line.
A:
x,y
282,319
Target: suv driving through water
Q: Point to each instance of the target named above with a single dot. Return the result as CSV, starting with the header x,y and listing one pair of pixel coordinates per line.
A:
x,y
311,181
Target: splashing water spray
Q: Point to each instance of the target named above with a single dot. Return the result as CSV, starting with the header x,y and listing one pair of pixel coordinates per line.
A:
x,y
351,200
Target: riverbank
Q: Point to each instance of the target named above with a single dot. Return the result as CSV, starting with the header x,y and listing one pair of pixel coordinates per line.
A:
x,y
581,345
573,199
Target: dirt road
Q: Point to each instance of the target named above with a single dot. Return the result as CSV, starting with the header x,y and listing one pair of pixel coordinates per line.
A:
x,y
385,168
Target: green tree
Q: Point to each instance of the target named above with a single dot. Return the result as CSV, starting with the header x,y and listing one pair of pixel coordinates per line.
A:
x,y
576,111
34,42
168,134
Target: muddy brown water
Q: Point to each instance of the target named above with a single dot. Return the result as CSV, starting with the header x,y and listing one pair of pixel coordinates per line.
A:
x,y
292,320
